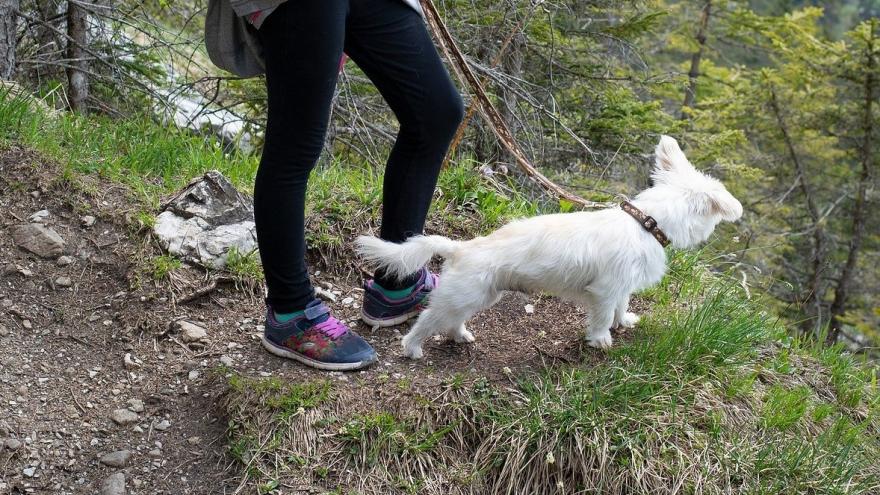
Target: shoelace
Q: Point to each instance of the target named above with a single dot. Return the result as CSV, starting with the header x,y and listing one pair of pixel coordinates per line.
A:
x,y
332,327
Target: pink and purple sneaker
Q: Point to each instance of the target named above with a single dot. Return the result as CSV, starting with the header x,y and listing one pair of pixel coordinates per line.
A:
x,y
317,339
379,310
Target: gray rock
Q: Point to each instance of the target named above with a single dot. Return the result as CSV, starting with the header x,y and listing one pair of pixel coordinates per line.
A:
x,y
124,417
206,220
29,471
190,332
38,239
39,217
155,453
225,360
116,459
136,405
163,425
12,444
63,282
88,221
114,485
64,260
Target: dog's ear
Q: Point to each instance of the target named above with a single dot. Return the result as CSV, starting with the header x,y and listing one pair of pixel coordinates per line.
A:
x,y
669,156
723,203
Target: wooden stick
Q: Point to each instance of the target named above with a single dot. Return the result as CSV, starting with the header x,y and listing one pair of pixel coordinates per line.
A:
x,y
491,115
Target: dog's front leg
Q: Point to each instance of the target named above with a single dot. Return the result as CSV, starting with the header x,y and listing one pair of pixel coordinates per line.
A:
x,y
601,315
623,318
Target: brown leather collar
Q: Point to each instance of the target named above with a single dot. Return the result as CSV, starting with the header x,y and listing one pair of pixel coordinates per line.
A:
x,y
647,222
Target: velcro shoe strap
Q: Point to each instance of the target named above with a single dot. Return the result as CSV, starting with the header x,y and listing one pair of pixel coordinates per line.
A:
x,y
313,312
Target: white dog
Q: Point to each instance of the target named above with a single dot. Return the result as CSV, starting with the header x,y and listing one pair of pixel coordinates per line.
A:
x,y
594,259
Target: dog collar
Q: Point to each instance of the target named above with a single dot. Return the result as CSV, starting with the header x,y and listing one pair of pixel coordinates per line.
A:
x,y
646,221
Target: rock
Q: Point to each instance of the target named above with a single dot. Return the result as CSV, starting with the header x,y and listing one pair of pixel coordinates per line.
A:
x,y
155,453
3,333
190,332
530,308
124,417
163,425
116,459
12,444
129,362
27,324
225,360
348,300
113,485
63,282
136,405
194,440
88,221
325,294
206,220
39,217
38,239
64,260
193,375
29,471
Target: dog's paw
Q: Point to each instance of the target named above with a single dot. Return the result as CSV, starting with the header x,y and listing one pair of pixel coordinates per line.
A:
x,y
463,335
413,352
629,320
600,341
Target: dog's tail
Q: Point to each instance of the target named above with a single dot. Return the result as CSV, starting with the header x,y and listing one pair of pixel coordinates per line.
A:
x,y
400,260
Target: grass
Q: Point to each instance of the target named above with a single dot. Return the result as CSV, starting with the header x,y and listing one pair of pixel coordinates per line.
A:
x,y
709,396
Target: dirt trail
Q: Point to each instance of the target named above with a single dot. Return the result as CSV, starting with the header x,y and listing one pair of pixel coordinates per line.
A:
x,y
90,364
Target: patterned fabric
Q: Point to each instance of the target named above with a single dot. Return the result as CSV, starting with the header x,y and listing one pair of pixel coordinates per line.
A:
x,y
379,307
318,336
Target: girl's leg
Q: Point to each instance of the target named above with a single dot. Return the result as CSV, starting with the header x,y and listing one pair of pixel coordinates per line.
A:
x,y
302,44
390,43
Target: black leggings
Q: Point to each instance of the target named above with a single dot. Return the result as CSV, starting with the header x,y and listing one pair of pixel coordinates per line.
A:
x,y
303,41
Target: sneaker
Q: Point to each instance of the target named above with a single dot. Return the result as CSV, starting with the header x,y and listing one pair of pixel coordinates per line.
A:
x,y
380,311
317,339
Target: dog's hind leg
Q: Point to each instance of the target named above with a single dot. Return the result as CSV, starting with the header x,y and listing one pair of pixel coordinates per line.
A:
x,y
451,305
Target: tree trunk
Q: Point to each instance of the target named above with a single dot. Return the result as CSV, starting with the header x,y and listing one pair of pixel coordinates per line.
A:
x,y
816,291
77,73
690,94
8,36
841,293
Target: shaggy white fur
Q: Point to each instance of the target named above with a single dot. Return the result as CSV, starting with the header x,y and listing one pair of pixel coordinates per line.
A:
x,y
595,259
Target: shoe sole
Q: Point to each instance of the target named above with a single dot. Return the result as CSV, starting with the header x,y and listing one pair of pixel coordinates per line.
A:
x,y
388,322
288,354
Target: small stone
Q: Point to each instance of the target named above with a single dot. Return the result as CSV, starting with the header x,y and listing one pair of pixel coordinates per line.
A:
x,y
13,444
155,453
39,217
129,362
27,324
88,220
190,332
64,260
348,300
116,459
114,485
193,375
530,308
194,440
136,405
3,332
163,425
63,282
124,417
325,294
225,360
38,239
29,471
